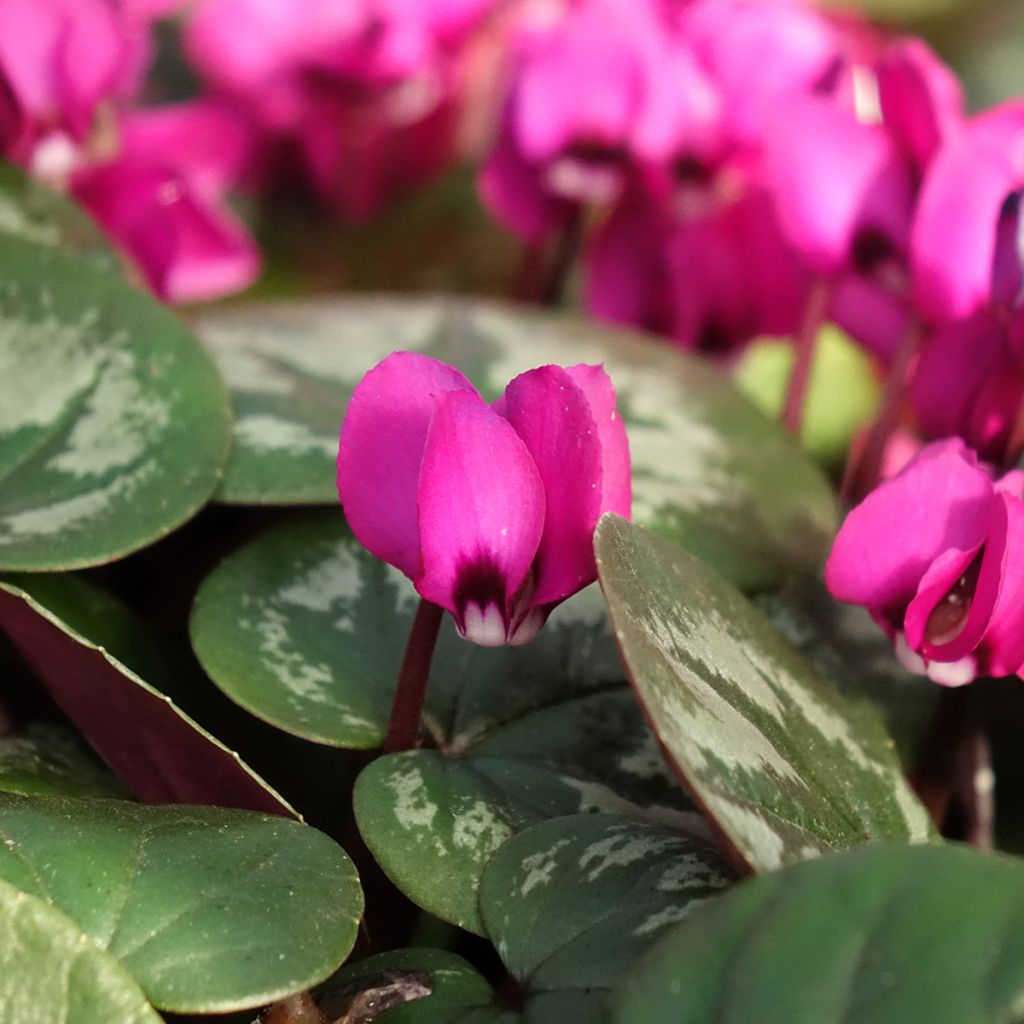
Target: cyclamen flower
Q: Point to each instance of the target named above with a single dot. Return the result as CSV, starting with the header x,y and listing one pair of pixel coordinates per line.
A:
x,y
489,510
936,554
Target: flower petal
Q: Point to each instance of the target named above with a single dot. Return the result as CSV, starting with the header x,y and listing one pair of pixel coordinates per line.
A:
x,y
481,515
833,177
953,243
941,500
616,474
1003,643
553,417
381,451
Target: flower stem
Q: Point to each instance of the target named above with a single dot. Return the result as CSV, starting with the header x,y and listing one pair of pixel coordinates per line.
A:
x,y
404,723
865,467
815,313
566,250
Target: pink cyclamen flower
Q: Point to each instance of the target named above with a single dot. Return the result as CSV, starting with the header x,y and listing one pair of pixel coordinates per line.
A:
x,y
966,240
601,92
936,554
489,509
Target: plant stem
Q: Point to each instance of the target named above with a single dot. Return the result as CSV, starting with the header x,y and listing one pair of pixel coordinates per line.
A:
x,y
815,313
566,249
864,469
404,723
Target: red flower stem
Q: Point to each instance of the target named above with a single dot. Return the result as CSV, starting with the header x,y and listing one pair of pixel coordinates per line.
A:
x,y
865,467
404,723
815,313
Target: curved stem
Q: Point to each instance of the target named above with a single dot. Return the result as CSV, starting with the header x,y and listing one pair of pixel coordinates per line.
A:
x,y
815,313
404,723
864,469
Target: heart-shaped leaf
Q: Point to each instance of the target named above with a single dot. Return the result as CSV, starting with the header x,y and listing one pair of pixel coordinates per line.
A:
x,y
114,426
569,904
709,471
211,910
782,766
50,973
49,760
161,753
886,935
300,627
35,212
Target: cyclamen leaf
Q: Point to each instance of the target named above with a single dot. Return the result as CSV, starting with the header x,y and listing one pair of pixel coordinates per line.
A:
x,y
161,753
211,910
37,213
299,627
887,935
114,426
50,973
48,760
710,472
569,904
781,765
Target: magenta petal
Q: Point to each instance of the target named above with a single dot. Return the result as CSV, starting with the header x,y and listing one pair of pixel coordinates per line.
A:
x,y
833,176
381,450
616,474
481,516
553,417
941,577
922,100
188,248
954,236
941,500
1004,640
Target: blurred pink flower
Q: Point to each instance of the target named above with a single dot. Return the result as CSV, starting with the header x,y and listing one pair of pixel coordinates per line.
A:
x,y
489,510
602,91
60,60
936,554
967,252
162,199
366,92
712,283
970,383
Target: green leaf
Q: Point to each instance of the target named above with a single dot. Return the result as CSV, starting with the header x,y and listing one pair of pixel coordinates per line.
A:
x,y
783,767
114,426
305,629
851,651
709,472
49,760
50,973
161,753
211,910
569,904
32,211
886,935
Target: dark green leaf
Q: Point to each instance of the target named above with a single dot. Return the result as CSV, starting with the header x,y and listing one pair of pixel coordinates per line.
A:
x,y
161,753
782,766
852,652
50,973
114,427
884,935
49,760
710,472
211,910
